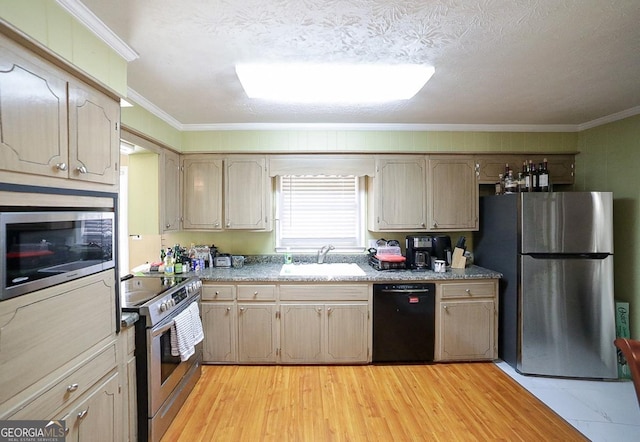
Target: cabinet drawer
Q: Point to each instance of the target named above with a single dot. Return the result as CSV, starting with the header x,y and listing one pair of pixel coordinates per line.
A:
x,y
70,387
324,292
218,292
257,292
484,289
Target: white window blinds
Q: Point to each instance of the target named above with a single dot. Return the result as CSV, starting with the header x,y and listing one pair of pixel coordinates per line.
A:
x,y
314,210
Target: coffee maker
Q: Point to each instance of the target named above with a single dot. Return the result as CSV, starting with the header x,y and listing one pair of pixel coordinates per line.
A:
x,y
419,249
441,248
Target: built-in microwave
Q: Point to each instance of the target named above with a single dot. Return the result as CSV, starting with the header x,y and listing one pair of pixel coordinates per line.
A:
x,y
44,248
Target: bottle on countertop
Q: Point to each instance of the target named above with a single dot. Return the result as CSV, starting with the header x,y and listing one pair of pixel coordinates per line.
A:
x,y
169,269
510,185
525,174
533,178
543,176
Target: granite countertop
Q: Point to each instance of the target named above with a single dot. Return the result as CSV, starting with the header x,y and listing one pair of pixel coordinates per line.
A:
x,y
267,269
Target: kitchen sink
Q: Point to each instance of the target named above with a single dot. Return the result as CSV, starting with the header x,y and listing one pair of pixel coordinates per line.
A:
x,y
331,269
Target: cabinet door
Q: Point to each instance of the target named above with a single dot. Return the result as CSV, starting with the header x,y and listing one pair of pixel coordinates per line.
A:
x,y
247,193
257,332
399,195
452,194
33,114
218,321
347,335
94,135
301,333
202,194
170,191
98,417
467,330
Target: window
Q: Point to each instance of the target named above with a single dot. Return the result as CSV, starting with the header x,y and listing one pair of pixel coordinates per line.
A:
x,y
314,210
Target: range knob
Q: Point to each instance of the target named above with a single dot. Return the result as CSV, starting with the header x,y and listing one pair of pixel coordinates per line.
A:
x,y
163,306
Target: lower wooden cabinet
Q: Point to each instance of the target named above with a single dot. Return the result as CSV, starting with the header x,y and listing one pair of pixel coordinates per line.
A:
x,y
219,324
466,320
97,417
257,332
324,333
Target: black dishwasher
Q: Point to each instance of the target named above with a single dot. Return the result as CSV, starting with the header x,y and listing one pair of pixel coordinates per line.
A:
x,y
403,322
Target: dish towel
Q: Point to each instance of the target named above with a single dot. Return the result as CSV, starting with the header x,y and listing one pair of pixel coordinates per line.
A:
x,y
186,332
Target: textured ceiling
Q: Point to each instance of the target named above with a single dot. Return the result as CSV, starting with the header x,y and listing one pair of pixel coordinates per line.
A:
x,y
525,62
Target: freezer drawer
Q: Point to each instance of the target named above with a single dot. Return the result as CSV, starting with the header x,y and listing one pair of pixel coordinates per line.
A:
x,y
567,322
567,222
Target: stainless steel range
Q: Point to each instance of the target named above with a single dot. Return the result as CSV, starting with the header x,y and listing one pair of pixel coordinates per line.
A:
x,y
163,381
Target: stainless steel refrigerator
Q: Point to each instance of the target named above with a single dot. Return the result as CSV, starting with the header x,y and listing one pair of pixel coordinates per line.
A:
x,y
555,251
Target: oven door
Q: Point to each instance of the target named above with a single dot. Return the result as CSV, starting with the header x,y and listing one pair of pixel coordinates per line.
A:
x,y
165,371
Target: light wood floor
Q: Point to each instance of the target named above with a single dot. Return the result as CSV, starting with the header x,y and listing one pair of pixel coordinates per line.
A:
x,y
448,402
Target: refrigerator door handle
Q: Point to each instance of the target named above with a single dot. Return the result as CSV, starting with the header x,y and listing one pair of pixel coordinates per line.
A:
x,y
568,255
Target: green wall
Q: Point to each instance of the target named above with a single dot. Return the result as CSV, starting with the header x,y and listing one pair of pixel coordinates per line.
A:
x,y
49,24
609,160
376,141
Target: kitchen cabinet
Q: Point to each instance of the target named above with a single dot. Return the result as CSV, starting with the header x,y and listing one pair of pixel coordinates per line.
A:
x,y
219,323
202,193
561,166
452,194
97,417
170,192
324,324
247,193
466,320
399,197
257,325
94,135
127,347
54,125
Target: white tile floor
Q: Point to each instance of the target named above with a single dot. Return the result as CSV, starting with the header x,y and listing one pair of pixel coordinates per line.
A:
x,y
604,411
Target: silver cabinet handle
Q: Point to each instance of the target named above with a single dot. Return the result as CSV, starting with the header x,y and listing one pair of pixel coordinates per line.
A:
x,y
61,166
228,309
319,309
446,307
329,309
83,414
217,293
81,169
241,309
255,294
73,387
167,226
468,291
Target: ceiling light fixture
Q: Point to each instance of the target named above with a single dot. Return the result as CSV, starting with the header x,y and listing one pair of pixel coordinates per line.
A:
x,y
332,83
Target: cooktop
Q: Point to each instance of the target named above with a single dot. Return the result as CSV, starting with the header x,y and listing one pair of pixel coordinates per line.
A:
x,y
138,290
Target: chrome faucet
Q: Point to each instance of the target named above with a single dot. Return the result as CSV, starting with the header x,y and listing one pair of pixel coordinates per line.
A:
x,y
322,253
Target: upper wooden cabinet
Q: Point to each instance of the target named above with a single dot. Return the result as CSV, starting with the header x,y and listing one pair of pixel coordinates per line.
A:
x,y
397,194
247,193
170,192
561,166
52,124
202,193
452,194
94,135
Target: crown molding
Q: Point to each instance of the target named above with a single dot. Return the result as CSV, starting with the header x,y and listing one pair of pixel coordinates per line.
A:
x,y
384,127
81,13
146,104
133,96
609,118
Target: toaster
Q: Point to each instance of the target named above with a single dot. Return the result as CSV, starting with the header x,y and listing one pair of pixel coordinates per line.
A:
x,y
222,260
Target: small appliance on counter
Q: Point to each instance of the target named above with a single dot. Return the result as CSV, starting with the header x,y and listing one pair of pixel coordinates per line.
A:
x,y
387,256
441,245
419,252
222,260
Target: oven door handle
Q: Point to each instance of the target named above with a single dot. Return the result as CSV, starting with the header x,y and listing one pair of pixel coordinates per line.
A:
x,y
161,330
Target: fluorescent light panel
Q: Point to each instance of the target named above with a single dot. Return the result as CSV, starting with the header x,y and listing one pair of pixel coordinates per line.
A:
x,y
332,83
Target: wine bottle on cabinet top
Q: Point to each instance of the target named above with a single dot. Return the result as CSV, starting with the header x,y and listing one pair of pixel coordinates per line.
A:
x,y
543,176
